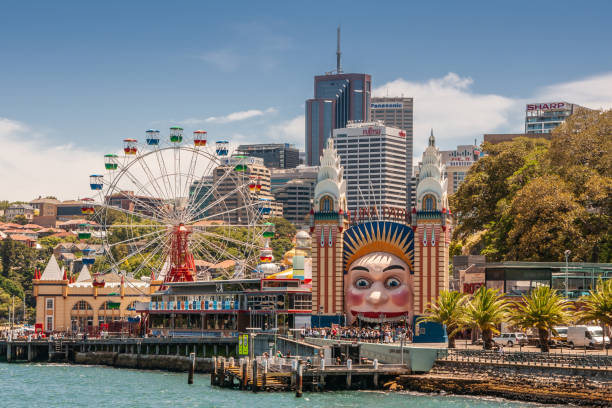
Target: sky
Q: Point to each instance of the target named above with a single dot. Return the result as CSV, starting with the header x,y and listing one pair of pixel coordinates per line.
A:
x,y
78,77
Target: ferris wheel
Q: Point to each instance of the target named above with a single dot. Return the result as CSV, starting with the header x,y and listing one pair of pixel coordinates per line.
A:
x,y
168,204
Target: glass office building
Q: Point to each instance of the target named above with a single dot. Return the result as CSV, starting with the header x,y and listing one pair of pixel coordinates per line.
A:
x,y
544,117
338,99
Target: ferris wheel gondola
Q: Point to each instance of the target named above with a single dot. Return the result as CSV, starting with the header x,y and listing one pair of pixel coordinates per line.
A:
x,y
165,206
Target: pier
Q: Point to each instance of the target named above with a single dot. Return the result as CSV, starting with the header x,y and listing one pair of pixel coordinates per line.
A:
x,y
293,374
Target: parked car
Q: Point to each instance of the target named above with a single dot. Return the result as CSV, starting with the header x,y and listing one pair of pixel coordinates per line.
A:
x,y
586,336
510,339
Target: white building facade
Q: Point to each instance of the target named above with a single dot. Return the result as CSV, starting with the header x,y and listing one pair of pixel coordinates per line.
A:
x,y
374,159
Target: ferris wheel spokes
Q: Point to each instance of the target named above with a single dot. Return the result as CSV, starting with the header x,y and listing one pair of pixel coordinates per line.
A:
x,y
138,251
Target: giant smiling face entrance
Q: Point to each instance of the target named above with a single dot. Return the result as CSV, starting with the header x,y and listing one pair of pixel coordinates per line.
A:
x,y
378,272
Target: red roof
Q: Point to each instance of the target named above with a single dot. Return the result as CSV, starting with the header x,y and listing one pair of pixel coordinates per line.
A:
x,y
33,226
18,237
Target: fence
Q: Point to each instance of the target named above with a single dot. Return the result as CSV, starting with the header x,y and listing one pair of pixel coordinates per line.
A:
x,y
528,358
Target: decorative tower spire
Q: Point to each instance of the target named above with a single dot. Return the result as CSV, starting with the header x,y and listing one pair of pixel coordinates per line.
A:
x,y
432,139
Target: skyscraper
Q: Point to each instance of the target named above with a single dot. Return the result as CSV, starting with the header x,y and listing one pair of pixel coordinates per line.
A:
x,y
275,155
338,98
397,112
374,159
544,117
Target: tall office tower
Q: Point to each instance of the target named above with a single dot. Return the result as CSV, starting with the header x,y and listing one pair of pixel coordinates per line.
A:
x,y
275,155
294,189
544,117
397,112
374,159
338,99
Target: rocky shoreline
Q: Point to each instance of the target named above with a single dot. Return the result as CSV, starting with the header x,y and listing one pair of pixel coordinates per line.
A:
x,y
518,384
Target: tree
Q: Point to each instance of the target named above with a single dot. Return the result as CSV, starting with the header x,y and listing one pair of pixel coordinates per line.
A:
x,y
543,309
486,310
448,310
545,221
597,306
284,232
20,219
6,252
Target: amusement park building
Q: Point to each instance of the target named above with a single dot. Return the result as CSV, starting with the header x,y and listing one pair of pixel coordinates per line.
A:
x,y
80,306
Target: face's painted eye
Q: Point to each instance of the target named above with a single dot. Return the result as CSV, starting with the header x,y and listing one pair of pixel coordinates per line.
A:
x,y
362,283
392,283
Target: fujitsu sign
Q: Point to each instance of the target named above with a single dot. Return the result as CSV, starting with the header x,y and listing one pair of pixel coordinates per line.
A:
x,y
546,106
370,131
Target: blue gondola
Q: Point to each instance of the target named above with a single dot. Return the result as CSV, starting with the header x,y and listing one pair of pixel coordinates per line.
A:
x,y
95,181
222,147
264,206
152,137
88,261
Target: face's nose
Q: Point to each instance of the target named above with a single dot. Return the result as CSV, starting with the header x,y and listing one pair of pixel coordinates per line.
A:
x,y
377,297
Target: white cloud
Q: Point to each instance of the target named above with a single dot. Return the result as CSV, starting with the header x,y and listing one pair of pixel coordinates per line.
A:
x,y
594,92
225,60
290,131
30,166
232,117
456,113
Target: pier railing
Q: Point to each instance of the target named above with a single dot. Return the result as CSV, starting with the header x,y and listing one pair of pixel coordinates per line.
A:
x,y
592,361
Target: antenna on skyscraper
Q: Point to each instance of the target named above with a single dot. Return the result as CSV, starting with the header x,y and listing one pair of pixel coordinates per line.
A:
x,y
338,65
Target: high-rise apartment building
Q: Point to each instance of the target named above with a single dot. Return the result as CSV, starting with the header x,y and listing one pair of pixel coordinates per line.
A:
x,y
294,189
338,99
374,159
544,117
233,189
397,112
275,155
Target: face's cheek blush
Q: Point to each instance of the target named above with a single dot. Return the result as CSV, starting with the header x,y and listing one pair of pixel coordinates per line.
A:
x,y
354,298
400,297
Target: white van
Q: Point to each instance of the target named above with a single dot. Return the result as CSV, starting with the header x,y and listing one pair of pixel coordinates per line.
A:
x,y
586,336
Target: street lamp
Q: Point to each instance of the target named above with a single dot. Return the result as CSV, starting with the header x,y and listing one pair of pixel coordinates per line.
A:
x,y
567,253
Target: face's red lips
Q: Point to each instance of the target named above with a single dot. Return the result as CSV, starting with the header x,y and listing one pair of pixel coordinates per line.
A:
x,y
374,315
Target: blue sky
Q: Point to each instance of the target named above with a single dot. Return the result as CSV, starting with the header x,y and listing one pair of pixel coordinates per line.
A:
x,y
77,77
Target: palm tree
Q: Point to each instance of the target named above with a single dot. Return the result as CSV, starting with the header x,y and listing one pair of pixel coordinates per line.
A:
x,y
597,306
486,310
543,309
448,310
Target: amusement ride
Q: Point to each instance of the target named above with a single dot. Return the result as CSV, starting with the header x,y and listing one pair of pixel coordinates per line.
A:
x,y
165,203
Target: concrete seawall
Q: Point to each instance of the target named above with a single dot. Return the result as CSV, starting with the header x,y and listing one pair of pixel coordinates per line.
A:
x,y
145,362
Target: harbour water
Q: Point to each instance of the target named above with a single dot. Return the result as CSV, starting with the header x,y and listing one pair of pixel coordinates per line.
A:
x,y
62,385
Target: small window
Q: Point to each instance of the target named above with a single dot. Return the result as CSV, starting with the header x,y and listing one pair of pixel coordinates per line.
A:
x,y
50,322
49,305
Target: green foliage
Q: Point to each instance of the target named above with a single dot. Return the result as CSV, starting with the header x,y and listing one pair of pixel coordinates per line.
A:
x,y
6,252
531,199
20,219
543,309
486,310
284,232
449,310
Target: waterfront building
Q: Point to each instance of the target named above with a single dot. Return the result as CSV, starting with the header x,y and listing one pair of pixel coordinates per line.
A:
x,y
81,305
235,205
374,160
431,233
294,188
397,112
275,155
225,308
544,117
516,279
457,163
338,99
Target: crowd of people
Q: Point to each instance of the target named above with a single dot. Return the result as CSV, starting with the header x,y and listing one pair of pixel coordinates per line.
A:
x,y
384,334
